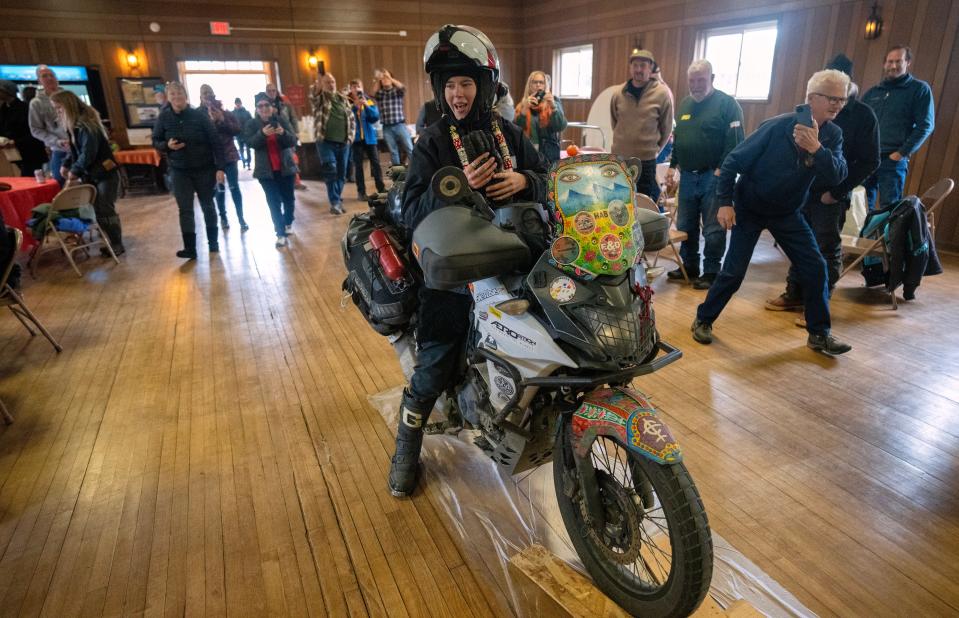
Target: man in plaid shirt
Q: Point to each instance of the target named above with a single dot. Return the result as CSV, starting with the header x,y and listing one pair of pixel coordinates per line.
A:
x,y
390,94
334,127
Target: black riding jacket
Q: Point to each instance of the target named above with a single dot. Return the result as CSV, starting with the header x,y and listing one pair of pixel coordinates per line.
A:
x,y
434,149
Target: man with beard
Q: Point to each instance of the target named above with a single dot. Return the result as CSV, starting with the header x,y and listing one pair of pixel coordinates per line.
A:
x,y
709,124
641,114
904,108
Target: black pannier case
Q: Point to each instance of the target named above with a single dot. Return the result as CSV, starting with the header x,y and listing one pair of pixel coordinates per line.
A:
x,y
387,305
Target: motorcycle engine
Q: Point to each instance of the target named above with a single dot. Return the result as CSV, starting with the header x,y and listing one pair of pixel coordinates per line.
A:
x,y
473,400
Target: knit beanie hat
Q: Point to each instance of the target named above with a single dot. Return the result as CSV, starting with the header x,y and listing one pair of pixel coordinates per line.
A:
x,y
841,63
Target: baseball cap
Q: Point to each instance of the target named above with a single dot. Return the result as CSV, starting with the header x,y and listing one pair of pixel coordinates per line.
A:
x,y
642,53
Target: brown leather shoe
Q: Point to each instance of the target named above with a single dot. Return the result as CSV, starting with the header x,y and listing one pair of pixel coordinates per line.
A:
x,y
784,303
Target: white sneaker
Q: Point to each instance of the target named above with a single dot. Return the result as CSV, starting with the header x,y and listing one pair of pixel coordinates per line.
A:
x,y
281,241
289,229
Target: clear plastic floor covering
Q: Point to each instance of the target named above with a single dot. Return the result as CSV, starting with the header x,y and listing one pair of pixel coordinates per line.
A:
x,y
497,516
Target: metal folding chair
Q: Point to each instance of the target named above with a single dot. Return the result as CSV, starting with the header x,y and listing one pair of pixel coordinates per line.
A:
x,y
71,242
13,300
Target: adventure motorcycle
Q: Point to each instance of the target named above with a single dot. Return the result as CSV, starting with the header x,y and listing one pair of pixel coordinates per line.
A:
x,y
551,353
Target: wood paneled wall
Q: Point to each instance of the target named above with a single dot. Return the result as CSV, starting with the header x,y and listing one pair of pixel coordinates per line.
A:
x,y
526,35
810,33
96,32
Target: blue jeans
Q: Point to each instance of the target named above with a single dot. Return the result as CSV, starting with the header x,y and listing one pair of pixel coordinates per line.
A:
x,y
398,137
333,156
56,161
889,180
244,149
280,198
797,241
697,202
232,174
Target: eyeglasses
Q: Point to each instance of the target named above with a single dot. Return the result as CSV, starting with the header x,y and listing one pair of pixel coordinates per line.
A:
x,y
833,100
263,105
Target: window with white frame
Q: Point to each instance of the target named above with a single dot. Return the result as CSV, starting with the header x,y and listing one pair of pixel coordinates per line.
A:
x,y
742,58
573,68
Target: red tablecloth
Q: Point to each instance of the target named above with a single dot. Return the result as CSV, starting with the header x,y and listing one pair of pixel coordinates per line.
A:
x,y
140,156
23,197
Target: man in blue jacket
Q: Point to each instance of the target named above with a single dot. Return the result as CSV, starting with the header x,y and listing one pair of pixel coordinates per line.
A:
x,y
825,210
904,108
777,165
364,143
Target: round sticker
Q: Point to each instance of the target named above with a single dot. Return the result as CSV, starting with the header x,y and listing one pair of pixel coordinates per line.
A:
x,y
562,289
585,223
565,250
618,213
611,247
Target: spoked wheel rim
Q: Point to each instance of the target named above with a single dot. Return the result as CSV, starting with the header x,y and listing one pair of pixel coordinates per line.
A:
x,y
635,540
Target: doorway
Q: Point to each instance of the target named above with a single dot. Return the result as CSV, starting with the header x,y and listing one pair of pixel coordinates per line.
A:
x,y
229,79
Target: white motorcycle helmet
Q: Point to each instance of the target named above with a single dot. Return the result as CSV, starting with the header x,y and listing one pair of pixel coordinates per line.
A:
x,y
462,50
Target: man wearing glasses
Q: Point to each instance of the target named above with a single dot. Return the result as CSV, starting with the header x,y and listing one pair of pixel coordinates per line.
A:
x,y
825,210
777,165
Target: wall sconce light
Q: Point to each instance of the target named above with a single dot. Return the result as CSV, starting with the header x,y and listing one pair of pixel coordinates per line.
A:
x,y
874,23
132,61
315,63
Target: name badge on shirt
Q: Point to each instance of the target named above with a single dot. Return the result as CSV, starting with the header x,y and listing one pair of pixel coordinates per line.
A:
x,y
685,117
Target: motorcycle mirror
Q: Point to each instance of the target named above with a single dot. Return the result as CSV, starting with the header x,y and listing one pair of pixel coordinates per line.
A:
x,y
450,185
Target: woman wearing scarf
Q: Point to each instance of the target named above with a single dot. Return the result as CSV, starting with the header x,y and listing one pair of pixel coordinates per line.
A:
x,y
464,70
540,115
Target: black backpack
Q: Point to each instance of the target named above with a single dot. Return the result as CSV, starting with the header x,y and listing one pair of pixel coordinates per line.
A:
x,y
388,306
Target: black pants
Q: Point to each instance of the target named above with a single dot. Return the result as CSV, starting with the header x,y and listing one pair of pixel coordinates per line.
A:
x,y
646,183
826,221
199,182
443,320
105,206
361,150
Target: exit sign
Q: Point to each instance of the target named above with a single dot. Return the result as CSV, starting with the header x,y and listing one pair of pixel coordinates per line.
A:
x,y
220,28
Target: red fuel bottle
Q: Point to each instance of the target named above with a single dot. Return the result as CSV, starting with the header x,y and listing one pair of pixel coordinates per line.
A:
x,y
390,262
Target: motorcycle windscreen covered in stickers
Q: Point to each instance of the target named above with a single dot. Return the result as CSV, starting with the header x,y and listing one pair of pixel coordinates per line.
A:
x,y
562,324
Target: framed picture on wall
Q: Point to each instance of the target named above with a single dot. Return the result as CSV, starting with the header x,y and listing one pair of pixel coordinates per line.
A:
x,y
137,95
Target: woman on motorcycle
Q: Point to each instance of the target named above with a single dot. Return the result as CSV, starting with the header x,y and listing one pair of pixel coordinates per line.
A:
x,y
464,69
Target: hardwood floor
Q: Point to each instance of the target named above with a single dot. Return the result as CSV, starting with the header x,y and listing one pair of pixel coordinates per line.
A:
x,y
204,444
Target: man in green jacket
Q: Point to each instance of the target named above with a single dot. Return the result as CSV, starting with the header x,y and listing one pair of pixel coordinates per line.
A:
x,y
642,118
709,124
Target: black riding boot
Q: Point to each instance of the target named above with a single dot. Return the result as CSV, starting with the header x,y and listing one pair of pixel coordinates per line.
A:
x,y
212,232
404,469
189,247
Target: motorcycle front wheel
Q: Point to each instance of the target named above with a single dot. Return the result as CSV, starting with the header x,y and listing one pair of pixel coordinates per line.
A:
x,y
654,554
